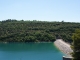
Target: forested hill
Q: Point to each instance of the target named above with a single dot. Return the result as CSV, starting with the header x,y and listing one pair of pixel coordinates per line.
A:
x,y
36,31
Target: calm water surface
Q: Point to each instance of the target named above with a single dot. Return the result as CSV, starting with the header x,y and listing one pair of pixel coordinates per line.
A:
x,y
29,51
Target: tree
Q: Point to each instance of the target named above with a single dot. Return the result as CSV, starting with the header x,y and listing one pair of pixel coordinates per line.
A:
x,y
76,45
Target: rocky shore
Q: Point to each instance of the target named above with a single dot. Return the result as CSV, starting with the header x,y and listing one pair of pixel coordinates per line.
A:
x,y
63,46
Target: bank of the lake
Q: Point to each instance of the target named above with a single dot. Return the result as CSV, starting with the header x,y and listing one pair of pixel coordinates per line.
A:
x,y
29,51
64,47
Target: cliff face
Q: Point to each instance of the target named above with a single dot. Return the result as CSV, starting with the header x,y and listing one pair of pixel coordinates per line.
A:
x,y
63,46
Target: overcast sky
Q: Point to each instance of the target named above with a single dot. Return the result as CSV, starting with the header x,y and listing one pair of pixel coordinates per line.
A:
x,y
42,10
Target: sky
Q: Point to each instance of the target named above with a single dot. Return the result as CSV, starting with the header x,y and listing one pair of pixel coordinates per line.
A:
x,y
41,10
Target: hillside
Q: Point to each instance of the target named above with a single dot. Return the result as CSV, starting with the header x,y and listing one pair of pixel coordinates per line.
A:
x,y
36,31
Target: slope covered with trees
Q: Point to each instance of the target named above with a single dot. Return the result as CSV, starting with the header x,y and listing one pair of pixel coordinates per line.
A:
x,y
36,31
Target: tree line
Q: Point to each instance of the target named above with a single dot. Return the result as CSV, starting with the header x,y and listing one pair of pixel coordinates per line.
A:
x,y
36,31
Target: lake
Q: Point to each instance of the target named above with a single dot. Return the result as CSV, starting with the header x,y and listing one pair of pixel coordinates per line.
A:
x,y
29,51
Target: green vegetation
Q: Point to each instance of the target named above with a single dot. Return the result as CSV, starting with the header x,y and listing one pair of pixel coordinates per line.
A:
x,y
76,45
36,31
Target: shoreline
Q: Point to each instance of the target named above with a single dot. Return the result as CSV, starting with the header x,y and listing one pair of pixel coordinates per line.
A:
x,y
63,47
26,42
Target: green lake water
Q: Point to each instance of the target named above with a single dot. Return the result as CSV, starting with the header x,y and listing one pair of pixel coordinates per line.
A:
x,y
29,51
